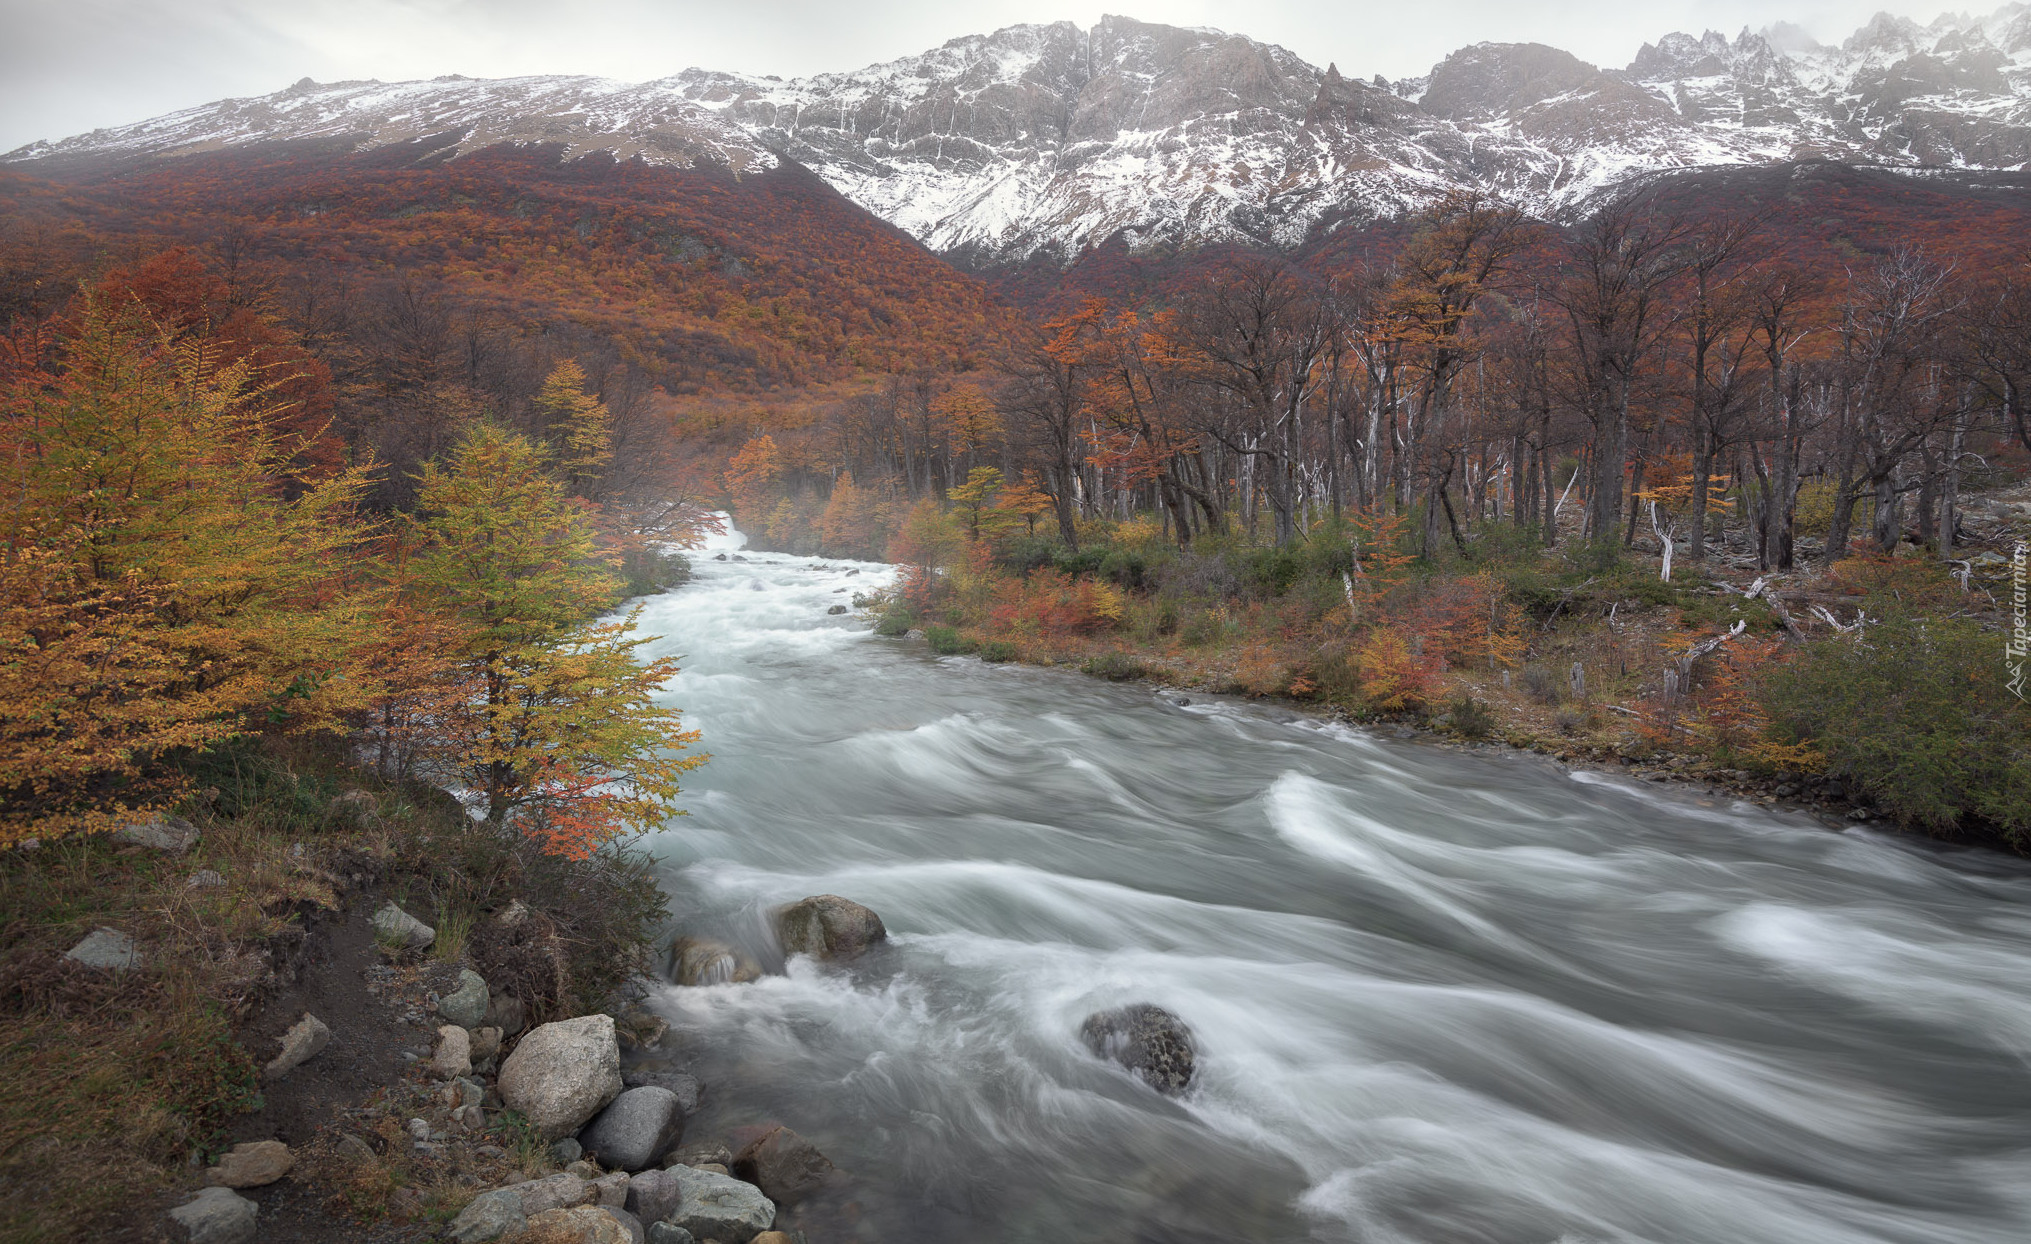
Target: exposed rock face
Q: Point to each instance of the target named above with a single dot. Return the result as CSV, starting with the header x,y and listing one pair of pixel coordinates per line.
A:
x,y
214,1216
563,1073
827,927
585,1224
1046,139
106,948
396,927
465,1006
785,1166
640,1126
1148,1040
719,1207
701,961
653,1194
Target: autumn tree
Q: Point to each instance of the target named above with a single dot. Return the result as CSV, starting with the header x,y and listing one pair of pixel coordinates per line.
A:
x,y
161,589
558,724
578,427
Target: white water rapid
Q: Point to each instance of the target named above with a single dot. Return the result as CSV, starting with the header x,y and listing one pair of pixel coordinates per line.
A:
x,y
1439,997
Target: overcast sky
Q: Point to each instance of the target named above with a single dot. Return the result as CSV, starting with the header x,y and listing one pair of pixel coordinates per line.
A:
x,y
67,66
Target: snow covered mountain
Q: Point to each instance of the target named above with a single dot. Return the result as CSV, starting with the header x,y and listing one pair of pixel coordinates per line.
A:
x,y
1050,138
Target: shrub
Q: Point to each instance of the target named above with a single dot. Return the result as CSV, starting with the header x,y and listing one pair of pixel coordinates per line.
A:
x,y
1123,568
1570,721
894,623
1914,712
946,641
1469,717
1396,674
1113,666
1543,684
997,651
1051,603
1203,627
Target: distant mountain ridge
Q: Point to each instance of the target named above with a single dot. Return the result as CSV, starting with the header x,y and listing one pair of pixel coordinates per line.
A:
x,y
1046,140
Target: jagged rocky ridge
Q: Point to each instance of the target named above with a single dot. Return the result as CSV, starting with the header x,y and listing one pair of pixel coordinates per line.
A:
x,y
1049,139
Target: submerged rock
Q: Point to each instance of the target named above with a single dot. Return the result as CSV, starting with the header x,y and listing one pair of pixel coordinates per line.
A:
x,y
702,961
1148,1040
827,926
785,1166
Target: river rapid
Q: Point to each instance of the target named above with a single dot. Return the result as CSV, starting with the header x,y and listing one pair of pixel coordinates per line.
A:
x,y
1438,996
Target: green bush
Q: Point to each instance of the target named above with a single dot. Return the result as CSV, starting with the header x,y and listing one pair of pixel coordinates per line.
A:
x,y
946,641
894,623
1113,666
1916,715
1471,718
996,651
1123,568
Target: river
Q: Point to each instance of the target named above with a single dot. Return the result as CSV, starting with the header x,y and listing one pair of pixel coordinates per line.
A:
x,y
1439,996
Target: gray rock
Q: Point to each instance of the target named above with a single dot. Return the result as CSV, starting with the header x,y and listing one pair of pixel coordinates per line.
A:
x,y
563,1073
567,1151
106,948
453,1057
669,1233
785,1166
686,1087
254,1164
719,1207
353,1149
652,1194
711,1153
1148,1040
489,1216
639,1127
205,879
827,926
552,1192
163,833
611,1190
504,1011
583,1224
470,1118
701,961
465,1006
305,1039
464,1091
629,1223
214,1216
837,608
486,1043
395,927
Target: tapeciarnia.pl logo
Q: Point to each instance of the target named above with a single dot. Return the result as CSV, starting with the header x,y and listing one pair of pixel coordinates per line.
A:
x,y
2019,644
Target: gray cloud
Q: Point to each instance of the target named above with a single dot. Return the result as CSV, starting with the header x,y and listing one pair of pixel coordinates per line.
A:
x,y
67,66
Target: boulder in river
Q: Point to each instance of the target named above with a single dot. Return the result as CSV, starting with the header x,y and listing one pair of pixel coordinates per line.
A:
x,y
1148,1040
702,961
827,926
563,1073
639,1127
836,609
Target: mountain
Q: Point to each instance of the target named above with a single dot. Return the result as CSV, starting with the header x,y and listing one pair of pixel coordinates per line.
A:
x,y
1047,140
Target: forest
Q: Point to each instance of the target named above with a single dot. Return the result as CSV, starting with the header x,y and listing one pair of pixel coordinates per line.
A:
x,y
1483,471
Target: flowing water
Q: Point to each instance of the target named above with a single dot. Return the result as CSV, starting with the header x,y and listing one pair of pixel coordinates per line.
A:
x,y
1438,996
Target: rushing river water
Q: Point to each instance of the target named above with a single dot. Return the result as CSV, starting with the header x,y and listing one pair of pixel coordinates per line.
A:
x,y
1438,996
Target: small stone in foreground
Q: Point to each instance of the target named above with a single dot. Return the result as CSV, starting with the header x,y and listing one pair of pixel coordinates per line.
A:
x,y
465,1006
254,1164
567,1151
720,1207
640,1126
304,1040
205,879
214,1216
106,948
453,1057
669,1233
395,927
489,1216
